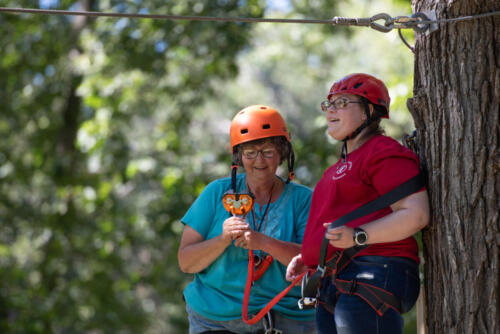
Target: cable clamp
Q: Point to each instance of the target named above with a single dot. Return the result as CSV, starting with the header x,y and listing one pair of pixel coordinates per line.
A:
x,y
419,22
348,21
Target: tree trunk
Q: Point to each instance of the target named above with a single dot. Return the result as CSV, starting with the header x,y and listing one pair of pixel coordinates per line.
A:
x,y
456,111
66,142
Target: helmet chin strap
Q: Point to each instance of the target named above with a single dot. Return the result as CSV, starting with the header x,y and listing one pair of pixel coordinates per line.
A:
x,y
234,170
344,151
291,162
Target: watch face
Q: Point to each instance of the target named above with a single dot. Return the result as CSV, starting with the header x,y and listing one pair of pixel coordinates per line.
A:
x,y
360,237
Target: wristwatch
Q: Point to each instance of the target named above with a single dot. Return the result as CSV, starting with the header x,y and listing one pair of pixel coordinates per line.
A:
x,y
360,236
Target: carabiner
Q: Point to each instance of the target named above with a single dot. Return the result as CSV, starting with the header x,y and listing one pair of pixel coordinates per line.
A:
x,y
388,25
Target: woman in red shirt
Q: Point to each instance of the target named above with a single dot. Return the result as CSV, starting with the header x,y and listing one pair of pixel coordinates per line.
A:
x,y
371,164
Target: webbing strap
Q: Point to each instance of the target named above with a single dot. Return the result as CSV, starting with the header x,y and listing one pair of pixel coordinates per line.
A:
x,y
378,299
310,284
234,170
401,191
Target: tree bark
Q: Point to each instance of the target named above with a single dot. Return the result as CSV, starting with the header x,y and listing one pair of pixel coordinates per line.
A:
x,y
456,111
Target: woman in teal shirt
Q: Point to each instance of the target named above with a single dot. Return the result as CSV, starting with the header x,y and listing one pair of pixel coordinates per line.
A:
x,y
214,245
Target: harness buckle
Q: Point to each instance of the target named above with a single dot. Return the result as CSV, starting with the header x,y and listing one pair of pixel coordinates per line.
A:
x,y
309,294
307,303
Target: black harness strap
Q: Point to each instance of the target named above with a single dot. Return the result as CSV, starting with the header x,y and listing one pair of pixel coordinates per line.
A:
x,y
401,191
379,299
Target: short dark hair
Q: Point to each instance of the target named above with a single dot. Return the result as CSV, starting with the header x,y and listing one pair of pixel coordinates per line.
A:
x,y
280,143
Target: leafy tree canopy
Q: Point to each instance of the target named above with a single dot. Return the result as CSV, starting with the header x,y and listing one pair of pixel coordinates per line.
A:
x,y
111,127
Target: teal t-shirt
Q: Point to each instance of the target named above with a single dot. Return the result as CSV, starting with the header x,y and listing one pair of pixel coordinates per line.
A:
x,y
217,291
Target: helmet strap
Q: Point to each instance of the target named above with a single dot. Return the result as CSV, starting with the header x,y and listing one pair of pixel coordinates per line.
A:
x,y
343,152
234,170
356,132
291,162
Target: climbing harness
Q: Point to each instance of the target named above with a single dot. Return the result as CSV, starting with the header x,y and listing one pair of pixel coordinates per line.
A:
x,y
379,299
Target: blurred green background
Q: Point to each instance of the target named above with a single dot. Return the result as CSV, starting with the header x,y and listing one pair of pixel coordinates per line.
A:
x,y
111,128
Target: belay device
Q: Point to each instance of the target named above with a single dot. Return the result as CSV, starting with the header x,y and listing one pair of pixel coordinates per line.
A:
x,y
238,204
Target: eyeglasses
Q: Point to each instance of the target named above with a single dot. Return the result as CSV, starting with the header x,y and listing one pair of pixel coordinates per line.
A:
x,y
267,153
339,103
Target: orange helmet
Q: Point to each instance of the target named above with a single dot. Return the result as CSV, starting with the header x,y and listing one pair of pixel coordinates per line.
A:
x,y
256,122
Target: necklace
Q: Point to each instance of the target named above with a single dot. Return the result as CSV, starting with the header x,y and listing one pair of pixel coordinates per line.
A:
x,y
258,258
264,216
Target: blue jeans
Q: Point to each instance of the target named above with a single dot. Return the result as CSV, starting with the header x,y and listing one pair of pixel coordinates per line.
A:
x,y
352,314
200,324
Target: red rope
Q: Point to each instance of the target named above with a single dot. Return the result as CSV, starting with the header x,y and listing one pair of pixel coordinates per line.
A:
x,y
248,287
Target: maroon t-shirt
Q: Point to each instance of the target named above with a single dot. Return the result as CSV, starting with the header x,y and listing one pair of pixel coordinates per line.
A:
x,y
378,166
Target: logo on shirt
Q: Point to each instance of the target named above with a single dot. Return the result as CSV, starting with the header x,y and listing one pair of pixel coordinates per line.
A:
x,y
342,170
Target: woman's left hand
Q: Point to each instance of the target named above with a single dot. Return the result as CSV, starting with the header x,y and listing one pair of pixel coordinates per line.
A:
x,y
249,240
295,268
340,237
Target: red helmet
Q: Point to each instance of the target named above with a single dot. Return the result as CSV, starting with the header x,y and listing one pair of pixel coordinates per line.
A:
x,y
256,122
363,85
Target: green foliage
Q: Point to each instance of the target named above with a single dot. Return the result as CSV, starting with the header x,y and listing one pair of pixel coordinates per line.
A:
x,y
95,166
295,74
111,127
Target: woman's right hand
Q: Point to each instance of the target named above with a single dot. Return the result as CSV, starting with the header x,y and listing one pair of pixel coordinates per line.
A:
x,y
195,253
234,227
295,268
